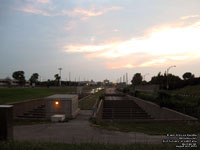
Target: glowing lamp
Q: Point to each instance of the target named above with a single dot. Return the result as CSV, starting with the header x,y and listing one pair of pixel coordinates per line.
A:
x,y
57,102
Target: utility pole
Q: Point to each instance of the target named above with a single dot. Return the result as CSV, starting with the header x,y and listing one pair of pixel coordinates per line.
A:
x,y
60,69
126,78
167,75
145,76
69,76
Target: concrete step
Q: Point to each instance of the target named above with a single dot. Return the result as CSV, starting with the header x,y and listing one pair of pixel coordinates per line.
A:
x,y
31,117
37,113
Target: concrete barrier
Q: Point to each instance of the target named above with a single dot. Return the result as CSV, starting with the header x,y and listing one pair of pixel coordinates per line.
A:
x,y
6,122
99,110
162,113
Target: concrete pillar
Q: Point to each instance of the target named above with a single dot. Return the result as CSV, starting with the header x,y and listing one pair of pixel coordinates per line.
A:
x,y
6,122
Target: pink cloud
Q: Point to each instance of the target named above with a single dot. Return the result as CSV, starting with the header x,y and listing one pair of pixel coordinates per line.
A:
x,y
189,16
85,14
43,1
93,12
33,10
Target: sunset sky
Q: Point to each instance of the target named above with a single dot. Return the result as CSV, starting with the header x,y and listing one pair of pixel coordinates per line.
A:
x,y
99,39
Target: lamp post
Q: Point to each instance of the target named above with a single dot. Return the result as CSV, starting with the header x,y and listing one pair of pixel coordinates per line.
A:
x,y
60,69
145,76
167,75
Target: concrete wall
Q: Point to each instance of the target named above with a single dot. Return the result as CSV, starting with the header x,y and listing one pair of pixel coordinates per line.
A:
x,y
6,122
75,110
100,110
67,107
64,107
22,107
162,113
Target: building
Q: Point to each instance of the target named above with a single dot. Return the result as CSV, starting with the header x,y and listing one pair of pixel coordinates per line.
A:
x,y
65,104
106,82
12,83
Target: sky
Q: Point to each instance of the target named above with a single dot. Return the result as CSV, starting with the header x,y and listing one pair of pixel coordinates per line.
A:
x,y
99,39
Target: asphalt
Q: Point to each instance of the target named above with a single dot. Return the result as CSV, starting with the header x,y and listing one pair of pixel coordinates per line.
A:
x,y
80,131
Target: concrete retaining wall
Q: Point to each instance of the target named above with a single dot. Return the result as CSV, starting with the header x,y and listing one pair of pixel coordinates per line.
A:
x,y
22,107
67,104
162,113
99,110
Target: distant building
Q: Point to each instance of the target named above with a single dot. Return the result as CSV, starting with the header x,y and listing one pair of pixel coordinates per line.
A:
x,y
106,82
13,83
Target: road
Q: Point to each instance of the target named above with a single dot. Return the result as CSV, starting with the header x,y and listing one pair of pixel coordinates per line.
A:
x,y
80,131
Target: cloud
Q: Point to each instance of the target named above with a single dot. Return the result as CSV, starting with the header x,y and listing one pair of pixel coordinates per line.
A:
x,y
115,30
43,1
188,17
146,60
35,11
45,8
38,7
93,12
163,45
85,14
86,48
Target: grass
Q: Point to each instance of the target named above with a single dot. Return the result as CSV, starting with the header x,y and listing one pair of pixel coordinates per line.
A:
x,y
87,146
150,128
11,95
188,90
175,100
89,102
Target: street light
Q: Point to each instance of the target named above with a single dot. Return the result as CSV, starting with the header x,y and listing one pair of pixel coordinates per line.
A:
x,y
60,69
145,76
167,75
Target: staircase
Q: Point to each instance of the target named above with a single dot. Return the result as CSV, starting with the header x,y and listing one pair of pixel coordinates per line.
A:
x,y
123,110
38,113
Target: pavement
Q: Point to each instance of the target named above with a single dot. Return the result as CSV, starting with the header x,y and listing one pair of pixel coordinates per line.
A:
x,y
80,131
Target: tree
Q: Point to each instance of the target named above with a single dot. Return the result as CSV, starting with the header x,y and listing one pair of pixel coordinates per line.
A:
x,y
57,78
160,80
188,75
137,79
19,75
34,78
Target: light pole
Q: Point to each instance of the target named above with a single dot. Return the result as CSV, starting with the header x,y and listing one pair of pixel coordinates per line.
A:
x,y
60,69
167,75
145,76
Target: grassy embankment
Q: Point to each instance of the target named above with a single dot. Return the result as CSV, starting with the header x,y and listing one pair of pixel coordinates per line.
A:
x,y
89,102
185,100
89,146
12,95
188,90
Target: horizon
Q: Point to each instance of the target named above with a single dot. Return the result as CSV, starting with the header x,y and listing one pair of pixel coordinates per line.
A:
x,y
99,40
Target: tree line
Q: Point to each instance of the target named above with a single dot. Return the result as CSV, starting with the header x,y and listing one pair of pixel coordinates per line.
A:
x,y
20,76
167,81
